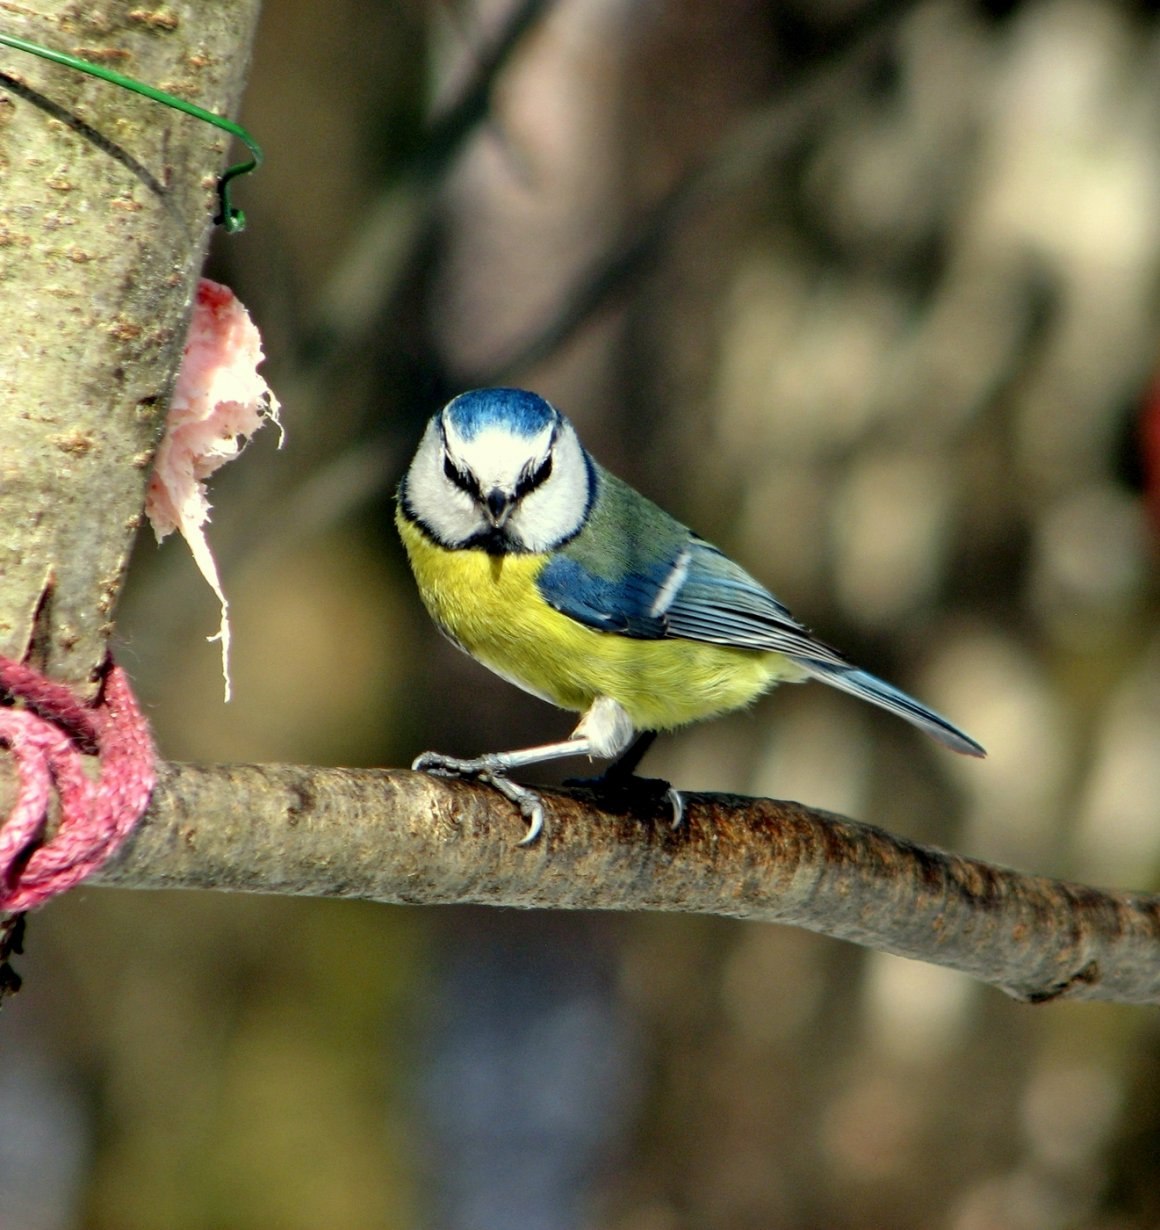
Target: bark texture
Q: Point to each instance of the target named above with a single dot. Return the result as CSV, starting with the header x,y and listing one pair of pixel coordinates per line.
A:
x,y
107,203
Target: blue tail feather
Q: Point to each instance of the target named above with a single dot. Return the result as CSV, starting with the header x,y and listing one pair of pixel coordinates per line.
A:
x,y
879,692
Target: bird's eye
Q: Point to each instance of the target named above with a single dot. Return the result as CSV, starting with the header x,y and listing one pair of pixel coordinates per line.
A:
x,y
531,479
455,474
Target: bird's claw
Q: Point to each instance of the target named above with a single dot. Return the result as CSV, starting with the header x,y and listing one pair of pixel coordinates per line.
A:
x,y
528,801
487,769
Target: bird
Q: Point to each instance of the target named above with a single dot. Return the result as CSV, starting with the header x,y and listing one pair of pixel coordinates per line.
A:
x,y
565,581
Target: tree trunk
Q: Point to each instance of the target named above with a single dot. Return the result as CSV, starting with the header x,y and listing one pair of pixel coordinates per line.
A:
x,y
107,203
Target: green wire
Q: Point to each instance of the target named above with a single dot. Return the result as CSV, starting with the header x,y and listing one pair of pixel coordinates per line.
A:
x,y
232,219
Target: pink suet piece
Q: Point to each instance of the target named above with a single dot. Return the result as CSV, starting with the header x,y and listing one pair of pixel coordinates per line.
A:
x,y
218,403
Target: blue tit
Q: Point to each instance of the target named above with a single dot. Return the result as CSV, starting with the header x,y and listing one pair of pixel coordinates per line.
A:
x,y
562,579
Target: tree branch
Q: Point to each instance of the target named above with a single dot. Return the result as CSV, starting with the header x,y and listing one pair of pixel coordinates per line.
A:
x,y
394,836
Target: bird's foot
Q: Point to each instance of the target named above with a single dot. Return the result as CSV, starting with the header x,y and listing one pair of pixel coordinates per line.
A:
x,y
491,771
619,791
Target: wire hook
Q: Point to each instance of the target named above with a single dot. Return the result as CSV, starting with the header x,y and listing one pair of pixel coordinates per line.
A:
x,y
230,218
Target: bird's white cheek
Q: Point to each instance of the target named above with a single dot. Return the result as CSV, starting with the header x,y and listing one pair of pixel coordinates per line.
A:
x,y
451,513
462,517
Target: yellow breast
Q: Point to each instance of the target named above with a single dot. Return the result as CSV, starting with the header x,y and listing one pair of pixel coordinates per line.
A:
x,y
491,607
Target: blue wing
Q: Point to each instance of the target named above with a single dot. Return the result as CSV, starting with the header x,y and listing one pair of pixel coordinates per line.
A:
x,y
696,593
623,605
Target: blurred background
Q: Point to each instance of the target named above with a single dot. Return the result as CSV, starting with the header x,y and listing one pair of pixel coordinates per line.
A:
x,y
868,294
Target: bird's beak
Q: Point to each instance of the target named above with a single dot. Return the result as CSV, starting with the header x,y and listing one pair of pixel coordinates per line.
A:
x,y
498,506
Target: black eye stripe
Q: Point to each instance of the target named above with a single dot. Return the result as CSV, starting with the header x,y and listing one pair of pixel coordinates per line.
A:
x,y
531,479
464,480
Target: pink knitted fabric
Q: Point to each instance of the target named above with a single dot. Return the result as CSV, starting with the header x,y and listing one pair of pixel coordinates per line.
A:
x,y
49,736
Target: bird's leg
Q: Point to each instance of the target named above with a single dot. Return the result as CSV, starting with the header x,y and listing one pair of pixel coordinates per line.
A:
x,y
627,764
621,770
619,776
604,731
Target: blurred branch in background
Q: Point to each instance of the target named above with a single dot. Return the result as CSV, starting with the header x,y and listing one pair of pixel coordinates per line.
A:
x,y
392,836
744,153
365,279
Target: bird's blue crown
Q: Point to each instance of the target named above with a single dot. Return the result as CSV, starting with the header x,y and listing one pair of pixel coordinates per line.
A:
x,y
522,413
